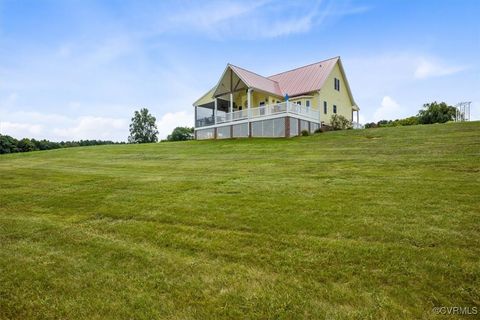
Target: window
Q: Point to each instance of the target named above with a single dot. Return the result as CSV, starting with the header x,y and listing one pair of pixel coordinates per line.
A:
x,y
307,103
325,107
334,109
262,104
299,103
336,84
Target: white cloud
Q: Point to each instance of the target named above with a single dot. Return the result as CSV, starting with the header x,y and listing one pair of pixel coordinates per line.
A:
x,y
94,128
259,19
427,68
170,120
20,130
389,109
411,77
57,127
21,124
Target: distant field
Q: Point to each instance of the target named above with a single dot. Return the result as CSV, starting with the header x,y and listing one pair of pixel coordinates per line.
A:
x,y
378,223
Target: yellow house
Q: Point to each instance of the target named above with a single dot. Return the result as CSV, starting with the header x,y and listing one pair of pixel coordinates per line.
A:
x,y
245,104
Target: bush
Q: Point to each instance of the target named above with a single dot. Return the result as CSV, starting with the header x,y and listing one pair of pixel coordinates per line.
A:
x,y
436,113
8,144
339,122
25,145
319,130
305,133
181,134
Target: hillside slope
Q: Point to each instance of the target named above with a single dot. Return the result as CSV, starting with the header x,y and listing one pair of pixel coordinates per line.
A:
x,y
369,223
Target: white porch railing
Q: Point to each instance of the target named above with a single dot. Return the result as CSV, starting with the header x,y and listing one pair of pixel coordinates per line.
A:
x,y
356,125
267,110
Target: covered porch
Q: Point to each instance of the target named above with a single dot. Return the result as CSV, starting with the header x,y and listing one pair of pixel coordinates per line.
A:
x,y
234,98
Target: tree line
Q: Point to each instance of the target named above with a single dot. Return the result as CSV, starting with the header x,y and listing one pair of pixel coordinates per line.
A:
x,y
430,113
9,144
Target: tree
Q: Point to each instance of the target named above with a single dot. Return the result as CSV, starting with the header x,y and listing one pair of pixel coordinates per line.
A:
x,y
8,144
143,128
25,145
181,134
436,113
339,122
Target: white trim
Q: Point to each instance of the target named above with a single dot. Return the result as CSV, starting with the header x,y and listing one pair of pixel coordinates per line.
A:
x,y
215,111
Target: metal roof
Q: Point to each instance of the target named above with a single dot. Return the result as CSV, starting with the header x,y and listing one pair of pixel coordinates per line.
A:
x,y
256,81
304,79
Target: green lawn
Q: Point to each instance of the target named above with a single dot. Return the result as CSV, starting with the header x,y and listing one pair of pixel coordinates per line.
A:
x,y
378,223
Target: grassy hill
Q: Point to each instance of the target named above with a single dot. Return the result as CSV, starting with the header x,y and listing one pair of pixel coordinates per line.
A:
x,y
378,223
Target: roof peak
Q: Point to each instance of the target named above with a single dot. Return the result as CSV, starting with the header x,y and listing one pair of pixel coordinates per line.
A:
x,y
232,65
307,65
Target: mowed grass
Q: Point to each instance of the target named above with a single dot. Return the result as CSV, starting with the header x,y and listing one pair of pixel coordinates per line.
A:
x,y
378,223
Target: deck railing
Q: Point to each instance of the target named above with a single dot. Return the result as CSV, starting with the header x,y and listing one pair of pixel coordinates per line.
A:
x,y
267,110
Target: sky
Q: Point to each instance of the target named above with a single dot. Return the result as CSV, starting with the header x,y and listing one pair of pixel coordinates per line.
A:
x,y
72,70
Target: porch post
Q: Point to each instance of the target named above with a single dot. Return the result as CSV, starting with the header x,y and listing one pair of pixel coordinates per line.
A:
x,y
231,102
215,112
195,121
249,101
320,108
358,116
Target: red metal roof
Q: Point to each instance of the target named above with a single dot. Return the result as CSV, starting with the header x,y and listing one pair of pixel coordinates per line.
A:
x,y
294,82
304,79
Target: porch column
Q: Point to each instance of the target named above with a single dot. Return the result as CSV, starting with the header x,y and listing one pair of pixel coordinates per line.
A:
x,y
358,116
249,101
215,112
320,108
195,121
231,102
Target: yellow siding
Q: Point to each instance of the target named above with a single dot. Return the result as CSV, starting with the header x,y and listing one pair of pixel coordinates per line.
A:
x,y
240,99
333,97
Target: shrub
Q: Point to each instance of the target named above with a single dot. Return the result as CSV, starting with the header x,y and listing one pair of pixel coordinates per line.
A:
x,y
305,133
25,145
436,113
181,134
8,144
339,122
319,130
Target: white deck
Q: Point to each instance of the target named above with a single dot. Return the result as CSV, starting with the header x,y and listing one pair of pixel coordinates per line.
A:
x,y
270,111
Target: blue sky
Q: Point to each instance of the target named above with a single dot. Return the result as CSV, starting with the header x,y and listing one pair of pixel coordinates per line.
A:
x,y
78,69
